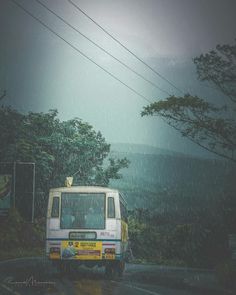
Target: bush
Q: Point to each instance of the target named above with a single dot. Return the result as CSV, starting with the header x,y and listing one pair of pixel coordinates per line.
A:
x,y
226,274
16,234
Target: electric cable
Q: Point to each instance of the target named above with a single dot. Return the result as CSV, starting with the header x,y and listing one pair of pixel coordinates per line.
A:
x,y
101,48
125,47
79,51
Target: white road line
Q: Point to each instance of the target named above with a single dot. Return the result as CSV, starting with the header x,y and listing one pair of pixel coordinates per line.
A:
x,y
138,288
9,289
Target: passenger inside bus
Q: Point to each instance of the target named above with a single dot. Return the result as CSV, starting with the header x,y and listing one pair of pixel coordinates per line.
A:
x,y
67,219
94,219
83,211
79,219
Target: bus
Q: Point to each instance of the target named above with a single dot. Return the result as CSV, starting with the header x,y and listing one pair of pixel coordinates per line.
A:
x,y
87,225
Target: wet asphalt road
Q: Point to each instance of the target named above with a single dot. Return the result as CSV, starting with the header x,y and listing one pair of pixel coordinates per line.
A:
x,y
36,276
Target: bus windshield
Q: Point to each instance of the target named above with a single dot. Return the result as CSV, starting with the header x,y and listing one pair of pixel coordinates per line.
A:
x,y
83,211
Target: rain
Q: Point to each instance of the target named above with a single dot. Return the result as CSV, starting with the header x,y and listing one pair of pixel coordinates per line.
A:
x,y
117,147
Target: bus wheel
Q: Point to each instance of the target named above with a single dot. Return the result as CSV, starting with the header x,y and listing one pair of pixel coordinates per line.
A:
x,y
120,268
110,270
114,270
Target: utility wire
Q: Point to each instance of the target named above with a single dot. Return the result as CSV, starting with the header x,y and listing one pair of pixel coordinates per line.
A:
x,y
76,49
126,48
101,48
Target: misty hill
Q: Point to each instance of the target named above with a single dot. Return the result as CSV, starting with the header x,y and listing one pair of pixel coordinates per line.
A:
x,y
157,173
139,149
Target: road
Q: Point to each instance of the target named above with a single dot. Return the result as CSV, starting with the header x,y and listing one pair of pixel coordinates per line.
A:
x,y
36,276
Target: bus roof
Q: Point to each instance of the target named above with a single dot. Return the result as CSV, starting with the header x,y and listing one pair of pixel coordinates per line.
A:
x,y
84,189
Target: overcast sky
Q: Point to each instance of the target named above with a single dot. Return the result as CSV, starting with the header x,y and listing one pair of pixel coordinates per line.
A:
x,y
41,72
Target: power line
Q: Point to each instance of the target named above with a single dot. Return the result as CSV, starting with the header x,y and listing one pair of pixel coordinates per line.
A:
x,y
126,48
101,48
76,49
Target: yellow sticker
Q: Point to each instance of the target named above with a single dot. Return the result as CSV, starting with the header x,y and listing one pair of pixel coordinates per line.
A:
x,y
84,250
124,231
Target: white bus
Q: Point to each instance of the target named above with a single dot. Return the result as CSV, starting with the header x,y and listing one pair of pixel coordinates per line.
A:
x,y
87,225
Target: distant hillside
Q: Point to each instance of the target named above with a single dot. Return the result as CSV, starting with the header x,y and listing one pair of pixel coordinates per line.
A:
x,y
156,172
152,150
139,149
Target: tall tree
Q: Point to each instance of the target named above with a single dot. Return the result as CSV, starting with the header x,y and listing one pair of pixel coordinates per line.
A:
x,y
210,126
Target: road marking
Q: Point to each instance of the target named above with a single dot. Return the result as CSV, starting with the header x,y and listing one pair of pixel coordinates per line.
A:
x,y
9,289
138,288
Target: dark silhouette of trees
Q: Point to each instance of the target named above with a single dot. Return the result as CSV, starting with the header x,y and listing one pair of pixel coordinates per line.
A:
x,y
210,126
58,148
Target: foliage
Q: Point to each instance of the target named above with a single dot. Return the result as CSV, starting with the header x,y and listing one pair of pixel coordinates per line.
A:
x,y
219,67
195,238
16,233
209,126
190,208
58,148
226,273
19,238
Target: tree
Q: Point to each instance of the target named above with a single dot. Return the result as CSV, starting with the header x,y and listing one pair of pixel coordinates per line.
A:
x,y
59,149
210,126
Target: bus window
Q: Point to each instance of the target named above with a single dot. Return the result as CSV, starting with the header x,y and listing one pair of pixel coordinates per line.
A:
x,y
83,211
55,207
111,208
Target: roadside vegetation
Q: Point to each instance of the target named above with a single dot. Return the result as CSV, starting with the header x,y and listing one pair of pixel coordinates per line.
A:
x,y
19,238
58,149
198,239
209,123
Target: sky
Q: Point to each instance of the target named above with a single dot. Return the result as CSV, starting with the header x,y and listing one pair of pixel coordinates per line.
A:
x,y
40,72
